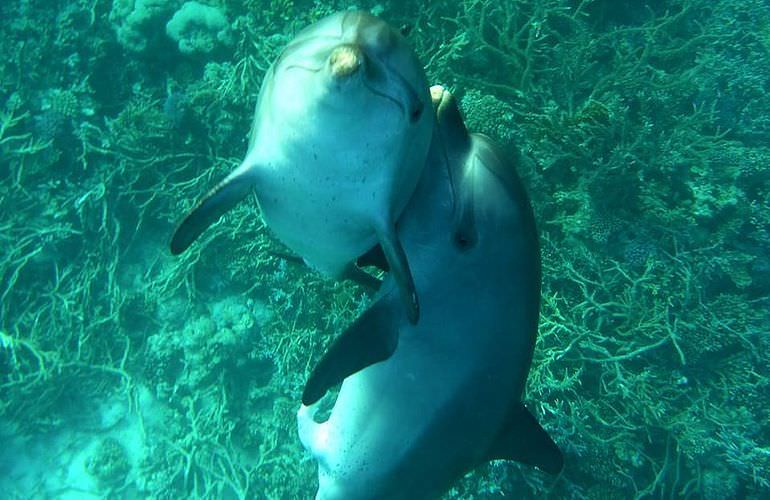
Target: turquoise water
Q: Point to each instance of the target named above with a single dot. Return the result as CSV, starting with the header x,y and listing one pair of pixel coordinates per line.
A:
x,y
128,373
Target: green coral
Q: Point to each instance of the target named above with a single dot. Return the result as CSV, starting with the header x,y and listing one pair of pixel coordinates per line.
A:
x,y
489,115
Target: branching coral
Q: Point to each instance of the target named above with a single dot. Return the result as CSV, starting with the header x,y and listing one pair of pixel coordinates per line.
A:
x,y
648,177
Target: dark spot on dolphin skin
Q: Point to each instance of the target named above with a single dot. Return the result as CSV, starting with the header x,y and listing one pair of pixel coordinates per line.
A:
x,y
416,113
315,156
464,242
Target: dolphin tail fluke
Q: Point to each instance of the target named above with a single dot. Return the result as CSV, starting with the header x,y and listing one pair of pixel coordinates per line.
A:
x,y
399,269
372,338
523,439
219,200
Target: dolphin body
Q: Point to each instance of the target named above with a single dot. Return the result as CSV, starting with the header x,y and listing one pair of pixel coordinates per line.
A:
x,y
338,143
449,397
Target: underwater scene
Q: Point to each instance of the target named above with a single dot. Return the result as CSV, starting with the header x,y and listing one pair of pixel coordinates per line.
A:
x,y
640,130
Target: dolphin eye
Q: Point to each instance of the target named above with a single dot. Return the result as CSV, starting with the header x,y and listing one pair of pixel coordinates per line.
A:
x,y
416,112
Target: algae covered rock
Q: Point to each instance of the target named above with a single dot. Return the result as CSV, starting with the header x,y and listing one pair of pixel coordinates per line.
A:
x,y
109,464
199,28
139,23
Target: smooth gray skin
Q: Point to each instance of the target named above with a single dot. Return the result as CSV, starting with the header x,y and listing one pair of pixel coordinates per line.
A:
x,y
449,397
338,143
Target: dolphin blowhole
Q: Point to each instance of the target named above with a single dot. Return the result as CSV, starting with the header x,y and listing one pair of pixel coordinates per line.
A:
x,y
345,60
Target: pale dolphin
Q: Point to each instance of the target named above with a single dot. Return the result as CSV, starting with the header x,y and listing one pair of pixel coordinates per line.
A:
x,y
449,397
338,143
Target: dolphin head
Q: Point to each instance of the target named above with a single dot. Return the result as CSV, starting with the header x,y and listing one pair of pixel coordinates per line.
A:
x,y
343,61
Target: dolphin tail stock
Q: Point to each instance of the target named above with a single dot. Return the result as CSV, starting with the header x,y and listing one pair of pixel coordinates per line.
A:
x,y
214,205
399,269
307,427
523,439
371,338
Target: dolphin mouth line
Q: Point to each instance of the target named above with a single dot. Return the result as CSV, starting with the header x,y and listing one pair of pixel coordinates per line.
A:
x,y
303,67
410,94
404,94
386,96
369,86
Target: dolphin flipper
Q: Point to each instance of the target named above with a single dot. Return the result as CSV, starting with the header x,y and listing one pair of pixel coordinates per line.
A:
x,y
371,338
399,269
523,439
219,200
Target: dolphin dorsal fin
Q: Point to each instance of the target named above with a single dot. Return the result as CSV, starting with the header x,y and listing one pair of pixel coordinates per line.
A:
x,y
214,205
455,144
523,439
456,138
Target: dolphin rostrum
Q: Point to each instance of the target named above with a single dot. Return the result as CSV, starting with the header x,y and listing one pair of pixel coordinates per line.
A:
x,y
338,143
447,397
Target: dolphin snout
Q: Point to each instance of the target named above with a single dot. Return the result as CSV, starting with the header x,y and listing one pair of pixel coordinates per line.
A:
x,y
345,60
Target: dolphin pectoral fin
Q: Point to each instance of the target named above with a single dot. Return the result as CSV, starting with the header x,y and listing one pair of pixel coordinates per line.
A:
x,y
372,338
523,439
399,268
219,200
